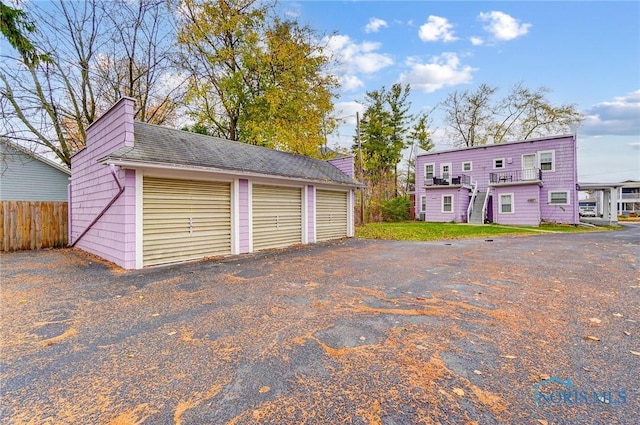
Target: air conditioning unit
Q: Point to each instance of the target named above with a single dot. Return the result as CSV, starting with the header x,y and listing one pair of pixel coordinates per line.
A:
x,y
422,217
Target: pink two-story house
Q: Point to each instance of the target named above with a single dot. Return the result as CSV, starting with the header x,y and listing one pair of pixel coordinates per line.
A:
x,y
522,183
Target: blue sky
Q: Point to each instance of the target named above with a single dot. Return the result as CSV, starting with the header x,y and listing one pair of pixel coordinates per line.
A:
x,y
586,53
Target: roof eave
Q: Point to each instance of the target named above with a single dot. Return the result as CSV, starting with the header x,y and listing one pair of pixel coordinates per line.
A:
x,y
38,157
125,163
514,142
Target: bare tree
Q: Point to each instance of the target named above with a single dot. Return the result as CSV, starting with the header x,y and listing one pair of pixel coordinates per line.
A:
x,y
140,61
51,103
467,115
476,118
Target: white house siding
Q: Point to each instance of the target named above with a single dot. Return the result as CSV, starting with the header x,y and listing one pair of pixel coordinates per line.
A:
x,y
25,178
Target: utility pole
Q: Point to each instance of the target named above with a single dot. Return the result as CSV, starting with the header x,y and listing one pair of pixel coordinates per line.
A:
x,y
361,167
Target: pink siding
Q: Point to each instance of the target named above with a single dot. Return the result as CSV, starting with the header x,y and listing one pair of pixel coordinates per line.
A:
x,y
243,206
526,205
344,164
434,212
564,177
93,187
311,214
461,205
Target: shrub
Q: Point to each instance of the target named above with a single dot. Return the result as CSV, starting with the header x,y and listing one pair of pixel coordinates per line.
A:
x,y
396,209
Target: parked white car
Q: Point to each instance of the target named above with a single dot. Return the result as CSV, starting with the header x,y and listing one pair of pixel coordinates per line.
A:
x,y
587,212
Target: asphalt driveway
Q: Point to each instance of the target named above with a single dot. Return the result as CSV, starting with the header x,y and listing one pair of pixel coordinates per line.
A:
x,y
541,329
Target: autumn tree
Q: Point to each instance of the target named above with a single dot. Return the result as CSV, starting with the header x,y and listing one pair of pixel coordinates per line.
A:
x,y
292,109
256,78
383,133
383,137
96,51
477,117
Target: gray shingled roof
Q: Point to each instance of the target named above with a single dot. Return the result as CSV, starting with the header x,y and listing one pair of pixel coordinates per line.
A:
x,y
163,145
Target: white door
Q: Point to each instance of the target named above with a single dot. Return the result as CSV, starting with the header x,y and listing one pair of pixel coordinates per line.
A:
x,y
331,214
185,220
277,216
529,170
445,172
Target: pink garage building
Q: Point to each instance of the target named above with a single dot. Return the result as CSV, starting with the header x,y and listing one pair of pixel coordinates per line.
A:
x,y
522,183
143,195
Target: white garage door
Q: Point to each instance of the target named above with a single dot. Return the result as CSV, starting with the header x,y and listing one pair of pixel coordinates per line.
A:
x,y
185,220
277,216
331,215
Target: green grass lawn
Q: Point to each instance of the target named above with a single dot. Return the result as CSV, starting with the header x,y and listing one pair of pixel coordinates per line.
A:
x,y
421,231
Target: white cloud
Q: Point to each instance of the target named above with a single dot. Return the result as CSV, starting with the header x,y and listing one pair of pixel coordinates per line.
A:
x,y
607,159
442,71
635,145
477,41
437,28
357,57
346,112
375,24
502,26
441,140
619,117
350,82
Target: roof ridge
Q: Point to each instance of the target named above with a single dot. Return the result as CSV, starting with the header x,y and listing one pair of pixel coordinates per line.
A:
x,y
222,139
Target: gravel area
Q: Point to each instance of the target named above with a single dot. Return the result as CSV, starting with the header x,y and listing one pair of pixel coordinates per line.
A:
x,y
541,329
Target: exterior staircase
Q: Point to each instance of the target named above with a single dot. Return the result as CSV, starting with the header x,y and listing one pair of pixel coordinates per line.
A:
x,y
476,212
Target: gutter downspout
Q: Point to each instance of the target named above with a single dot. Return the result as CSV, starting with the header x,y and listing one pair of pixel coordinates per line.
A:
x,y
104,210
69,211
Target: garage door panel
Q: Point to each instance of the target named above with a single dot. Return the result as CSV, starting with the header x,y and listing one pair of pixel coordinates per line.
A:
x,y
185,220
331,214
277,216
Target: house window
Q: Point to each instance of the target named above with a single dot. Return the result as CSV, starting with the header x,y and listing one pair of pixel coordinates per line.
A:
x,y
467,166
447,203
428,170
498,163
423,203
506,203
559,197
547,160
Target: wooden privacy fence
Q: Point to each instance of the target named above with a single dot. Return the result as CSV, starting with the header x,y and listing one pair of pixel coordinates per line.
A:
x,y
33,225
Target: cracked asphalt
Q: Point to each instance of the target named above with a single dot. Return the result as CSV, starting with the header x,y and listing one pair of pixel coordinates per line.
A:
x,y
347,332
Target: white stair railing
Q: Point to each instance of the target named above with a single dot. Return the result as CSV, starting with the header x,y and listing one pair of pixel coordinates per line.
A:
x,y
484,204
474,192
